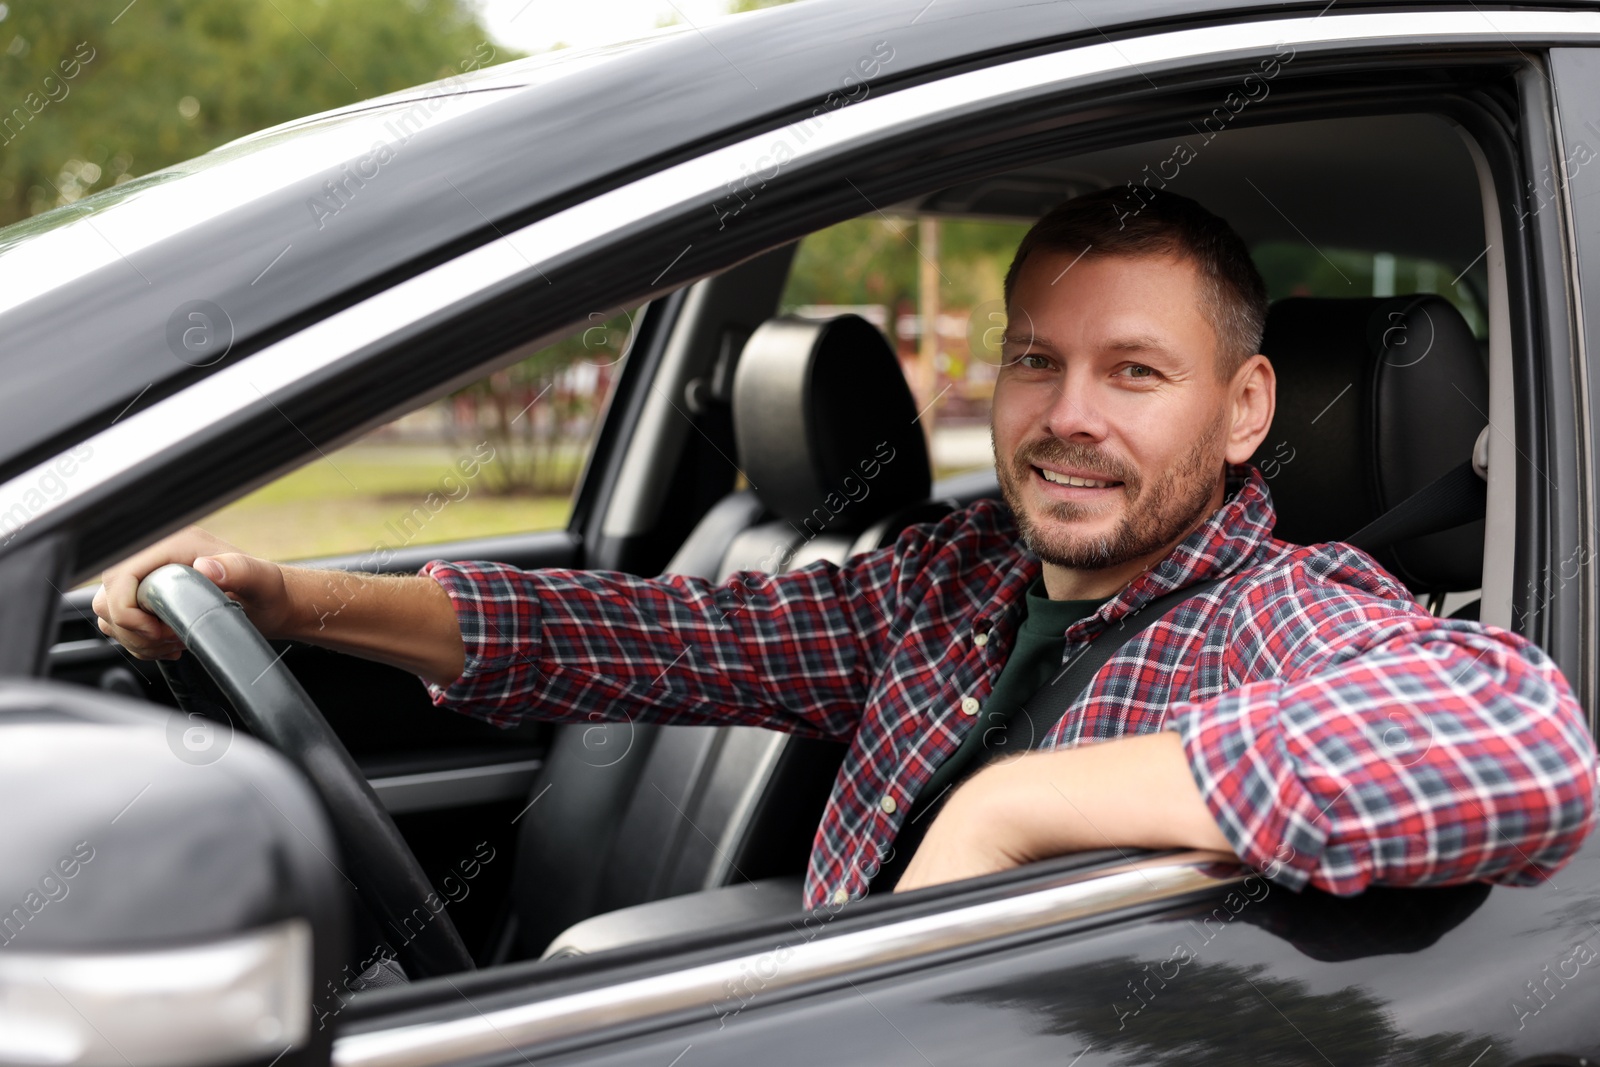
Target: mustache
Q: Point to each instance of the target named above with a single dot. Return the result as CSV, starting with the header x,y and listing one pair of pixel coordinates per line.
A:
x,y
1055,451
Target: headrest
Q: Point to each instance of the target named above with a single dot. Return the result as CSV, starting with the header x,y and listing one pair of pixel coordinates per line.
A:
x,y
1377,397
827,430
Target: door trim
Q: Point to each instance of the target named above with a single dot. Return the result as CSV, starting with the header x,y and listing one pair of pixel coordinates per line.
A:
x,y
471,1032
459,787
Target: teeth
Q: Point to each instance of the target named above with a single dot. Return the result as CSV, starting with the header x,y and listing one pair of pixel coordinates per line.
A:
x,y
1067,479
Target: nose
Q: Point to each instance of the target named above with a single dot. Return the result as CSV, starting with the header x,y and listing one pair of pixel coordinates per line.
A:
x,y
1076,411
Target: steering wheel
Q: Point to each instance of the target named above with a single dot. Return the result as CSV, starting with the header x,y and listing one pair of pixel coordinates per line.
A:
x,y
385,872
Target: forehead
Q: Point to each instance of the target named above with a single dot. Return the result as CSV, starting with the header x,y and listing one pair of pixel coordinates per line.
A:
x,y
1120,293
1049,271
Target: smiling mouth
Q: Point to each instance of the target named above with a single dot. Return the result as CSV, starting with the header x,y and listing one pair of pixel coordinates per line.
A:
x,y
1075,481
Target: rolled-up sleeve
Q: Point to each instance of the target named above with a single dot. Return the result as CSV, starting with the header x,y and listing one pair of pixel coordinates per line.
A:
x,y
1411,751
796,651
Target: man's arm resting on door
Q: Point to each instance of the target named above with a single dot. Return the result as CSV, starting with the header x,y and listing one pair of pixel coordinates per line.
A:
x,y
1434,752
1134,792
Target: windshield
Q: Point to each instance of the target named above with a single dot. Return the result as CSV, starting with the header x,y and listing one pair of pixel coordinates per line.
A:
x,y
40,253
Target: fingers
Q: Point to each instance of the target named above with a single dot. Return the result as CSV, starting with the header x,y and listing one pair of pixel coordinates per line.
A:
x,y
122,620
256,584
142,646
233,572
116,604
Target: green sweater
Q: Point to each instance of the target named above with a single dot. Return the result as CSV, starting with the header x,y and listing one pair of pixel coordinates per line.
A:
x,y
1034,660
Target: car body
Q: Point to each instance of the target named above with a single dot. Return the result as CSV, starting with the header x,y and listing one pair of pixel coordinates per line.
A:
x,y
350,267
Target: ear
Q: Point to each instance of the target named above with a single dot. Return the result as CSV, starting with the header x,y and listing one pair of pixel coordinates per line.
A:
x,y
1252,399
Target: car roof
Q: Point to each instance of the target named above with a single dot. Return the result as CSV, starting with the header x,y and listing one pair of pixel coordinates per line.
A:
x,y
92,329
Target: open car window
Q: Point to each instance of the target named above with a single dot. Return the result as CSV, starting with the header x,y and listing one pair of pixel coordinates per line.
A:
x,y
501,455
904,273
1299,269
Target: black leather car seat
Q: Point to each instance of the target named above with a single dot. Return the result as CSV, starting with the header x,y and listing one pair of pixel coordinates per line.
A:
x,y
1377,397
629,813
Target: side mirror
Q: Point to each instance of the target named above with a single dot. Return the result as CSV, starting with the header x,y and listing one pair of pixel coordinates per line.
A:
x,y
166,899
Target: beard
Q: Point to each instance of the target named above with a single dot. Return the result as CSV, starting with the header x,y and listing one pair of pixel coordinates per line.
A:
x,y
1156,516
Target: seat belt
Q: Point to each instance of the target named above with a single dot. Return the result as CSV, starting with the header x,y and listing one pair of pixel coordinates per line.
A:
x,y
1457,497
1049,702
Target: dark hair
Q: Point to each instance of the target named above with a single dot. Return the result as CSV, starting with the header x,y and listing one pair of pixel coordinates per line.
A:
x,y
1119,222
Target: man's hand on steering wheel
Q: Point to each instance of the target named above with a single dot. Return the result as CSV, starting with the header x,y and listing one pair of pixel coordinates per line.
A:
x,y
403,620
259,585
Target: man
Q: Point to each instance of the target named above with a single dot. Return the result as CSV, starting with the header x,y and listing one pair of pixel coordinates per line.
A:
x,y
1259,719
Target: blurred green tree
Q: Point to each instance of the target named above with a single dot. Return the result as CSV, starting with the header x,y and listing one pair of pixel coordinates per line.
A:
x,y
874,259
540,413
91,95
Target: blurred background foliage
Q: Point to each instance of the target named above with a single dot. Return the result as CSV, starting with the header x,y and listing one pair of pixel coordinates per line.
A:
x,y
166,80
875,260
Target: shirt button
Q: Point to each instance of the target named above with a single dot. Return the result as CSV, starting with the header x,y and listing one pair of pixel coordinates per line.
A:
x,y
969,705
981,639
888,805
840,896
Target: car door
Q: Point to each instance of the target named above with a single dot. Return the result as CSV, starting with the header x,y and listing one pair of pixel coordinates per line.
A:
x,y
1111,958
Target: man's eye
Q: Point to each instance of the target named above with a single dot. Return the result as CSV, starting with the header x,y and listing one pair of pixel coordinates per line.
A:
x,y
1138,370
1034,361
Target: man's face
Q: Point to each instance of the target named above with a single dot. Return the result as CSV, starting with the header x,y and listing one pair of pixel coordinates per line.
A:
x,y
1110,424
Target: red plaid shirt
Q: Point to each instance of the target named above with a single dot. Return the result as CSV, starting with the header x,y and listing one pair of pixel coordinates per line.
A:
x,y
1319,705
